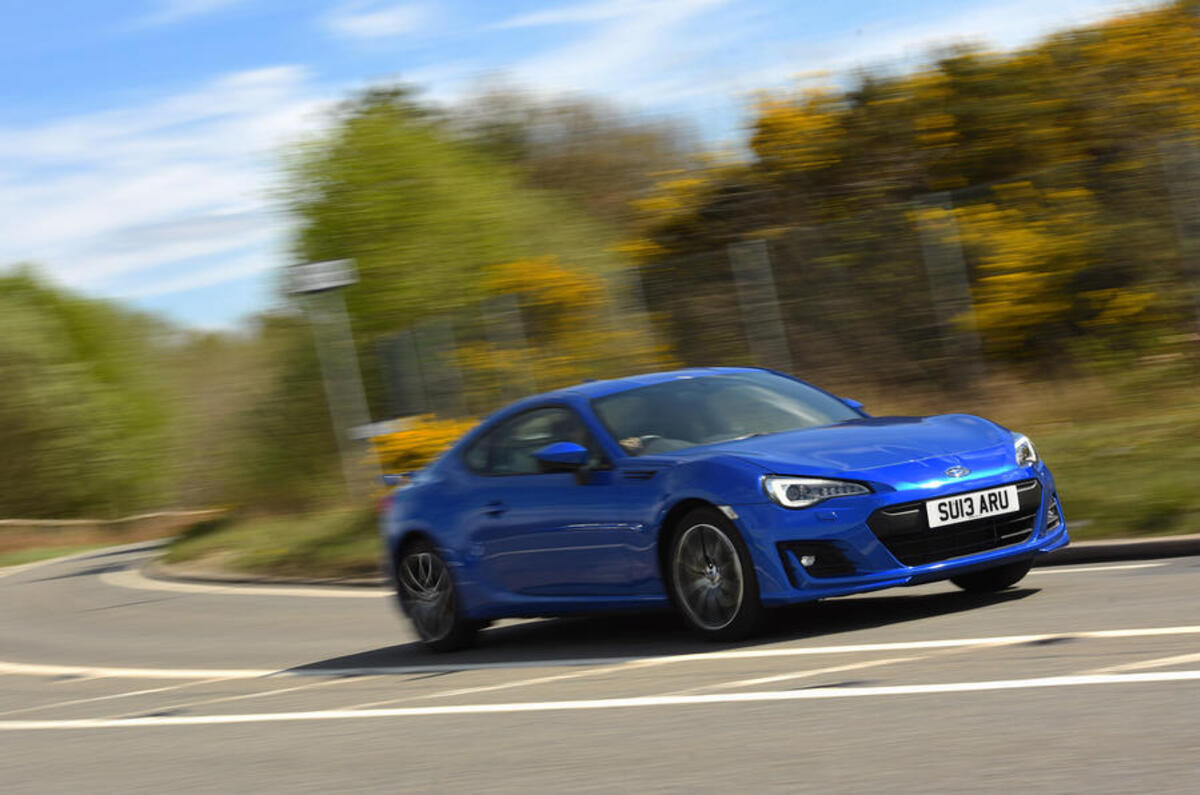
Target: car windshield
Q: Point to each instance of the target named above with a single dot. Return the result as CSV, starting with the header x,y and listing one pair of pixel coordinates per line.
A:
x,y
686,412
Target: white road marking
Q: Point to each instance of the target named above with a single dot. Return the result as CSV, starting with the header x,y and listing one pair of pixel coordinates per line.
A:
x,y
131,578
763,680
109,697
101,672
819,693
1079,569
766,680
256,694
35,669
1141,665
538,680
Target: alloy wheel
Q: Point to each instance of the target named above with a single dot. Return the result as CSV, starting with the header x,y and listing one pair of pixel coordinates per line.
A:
x,y
428,594
708,576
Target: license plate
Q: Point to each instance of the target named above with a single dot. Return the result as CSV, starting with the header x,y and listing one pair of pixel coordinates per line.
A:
x,y
973,505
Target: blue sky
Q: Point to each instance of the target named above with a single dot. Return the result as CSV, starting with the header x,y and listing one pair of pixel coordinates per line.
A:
x,y
139,139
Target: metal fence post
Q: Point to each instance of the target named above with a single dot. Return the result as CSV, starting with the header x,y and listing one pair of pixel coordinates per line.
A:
x,y
1181,170
949,284
765,332
505,330
436,347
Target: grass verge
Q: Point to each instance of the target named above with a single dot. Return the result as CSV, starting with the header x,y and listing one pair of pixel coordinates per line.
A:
x,y
34,554
333,543
27,540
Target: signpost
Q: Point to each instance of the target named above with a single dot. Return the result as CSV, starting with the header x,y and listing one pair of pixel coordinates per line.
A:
x,y
318,283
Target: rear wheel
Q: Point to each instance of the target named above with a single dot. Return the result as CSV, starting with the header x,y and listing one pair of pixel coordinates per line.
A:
x,y
712,577
429,599
992,580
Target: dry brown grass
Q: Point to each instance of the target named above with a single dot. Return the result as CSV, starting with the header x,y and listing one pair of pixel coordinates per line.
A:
x,y
23,534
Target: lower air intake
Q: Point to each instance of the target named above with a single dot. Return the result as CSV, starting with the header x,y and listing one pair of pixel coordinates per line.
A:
x,y
824,559
905,531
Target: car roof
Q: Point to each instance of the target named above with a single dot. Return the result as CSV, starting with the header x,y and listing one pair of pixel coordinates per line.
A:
x,y
594,389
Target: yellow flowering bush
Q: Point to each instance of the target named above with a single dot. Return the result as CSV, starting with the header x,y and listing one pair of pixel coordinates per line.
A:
x,y
571,331
424,439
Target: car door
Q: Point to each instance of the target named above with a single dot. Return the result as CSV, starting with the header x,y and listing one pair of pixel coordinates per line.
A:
x,y
555,533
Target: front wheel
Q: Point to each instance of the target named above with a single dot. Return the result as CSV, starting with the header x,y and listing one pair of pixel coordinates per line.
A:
x,y
712,577
992,580
428,598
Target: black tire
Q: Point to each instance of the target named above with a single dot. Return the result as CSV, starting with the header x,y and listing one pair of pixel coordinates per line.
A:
x,y
992,580
428,597
710,577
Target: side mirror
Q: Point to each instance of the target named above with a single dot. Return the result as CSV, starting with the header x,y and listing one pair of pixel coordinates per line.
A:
x,y
562,457
852,403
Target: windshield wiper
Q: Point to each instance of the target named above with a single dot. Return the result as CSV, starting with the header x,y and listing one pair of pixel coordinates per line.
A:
x,y
747,436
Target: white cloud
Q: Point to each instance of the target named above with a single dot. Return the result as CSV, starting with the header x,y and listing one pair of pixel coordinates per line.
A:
x,y
703,57
371,19
166,195
230,270
583,12
632,46
992,23
168,12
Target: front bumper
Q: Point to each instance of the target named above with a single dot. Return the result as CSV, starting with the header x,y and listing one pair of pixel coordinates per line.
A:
x,y
776,536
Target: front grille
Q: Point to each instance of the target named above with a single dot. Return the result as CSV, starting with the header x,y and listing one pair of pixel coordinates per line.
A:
x,y
828,559
905,531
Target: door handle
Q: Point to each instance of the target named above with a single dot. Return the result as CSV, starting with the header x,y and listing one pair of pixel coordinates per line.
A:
x,y
495,508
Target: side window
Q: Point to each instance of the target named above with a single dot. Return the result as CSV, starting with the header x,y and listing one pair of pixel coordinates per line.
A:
x,y
476,456
508,448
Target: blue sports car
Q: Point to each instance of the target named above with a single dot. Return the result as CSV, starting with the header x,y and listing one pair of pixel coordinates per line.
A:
x,y
721,491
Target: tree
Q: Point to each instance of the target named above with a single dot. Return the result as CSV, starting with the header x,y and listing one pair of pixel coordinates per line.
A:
x,y
600,158
427,215
83,413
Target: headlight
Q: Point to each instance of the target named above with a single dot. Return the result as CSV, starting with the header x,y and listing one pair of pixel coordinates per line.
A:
x,y
1026,453
803,492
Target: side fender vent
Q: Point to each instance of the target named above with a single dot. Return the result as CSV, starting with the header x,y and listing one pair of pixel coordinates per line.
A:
x,y
639,474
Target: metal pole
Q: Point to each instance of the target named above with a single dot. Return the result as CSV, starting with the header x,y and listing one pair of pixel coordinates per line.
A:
x,y
765,331
343,387
1181,169
949,285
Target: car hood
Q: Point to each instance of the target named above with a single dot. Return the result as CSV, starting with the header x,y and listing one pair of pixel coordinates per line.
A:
x,y
867,444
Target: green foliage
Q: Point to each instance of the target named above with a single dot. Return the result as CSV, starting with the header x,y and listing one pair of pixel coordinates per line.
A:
x,y
429,213
422,213
285,454
83,413
599,157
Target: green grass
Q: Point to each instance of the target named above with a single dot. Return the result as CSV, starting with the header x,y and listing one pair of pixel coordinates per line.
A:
x,y
1128,477
334,543
42,553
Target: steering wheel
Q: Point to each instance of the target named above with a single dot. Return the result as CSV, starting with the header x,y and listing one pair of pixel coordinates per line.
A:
x,y
638,444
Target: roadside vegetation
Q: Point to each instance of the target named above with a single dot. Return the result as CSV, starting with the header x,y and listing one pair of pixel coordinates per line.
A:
x,y
25,541
332,544
1011,234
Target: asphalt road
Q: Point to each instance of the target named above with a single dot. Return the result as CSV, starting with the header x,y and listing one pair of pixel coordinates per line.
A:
x,y
1083,679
